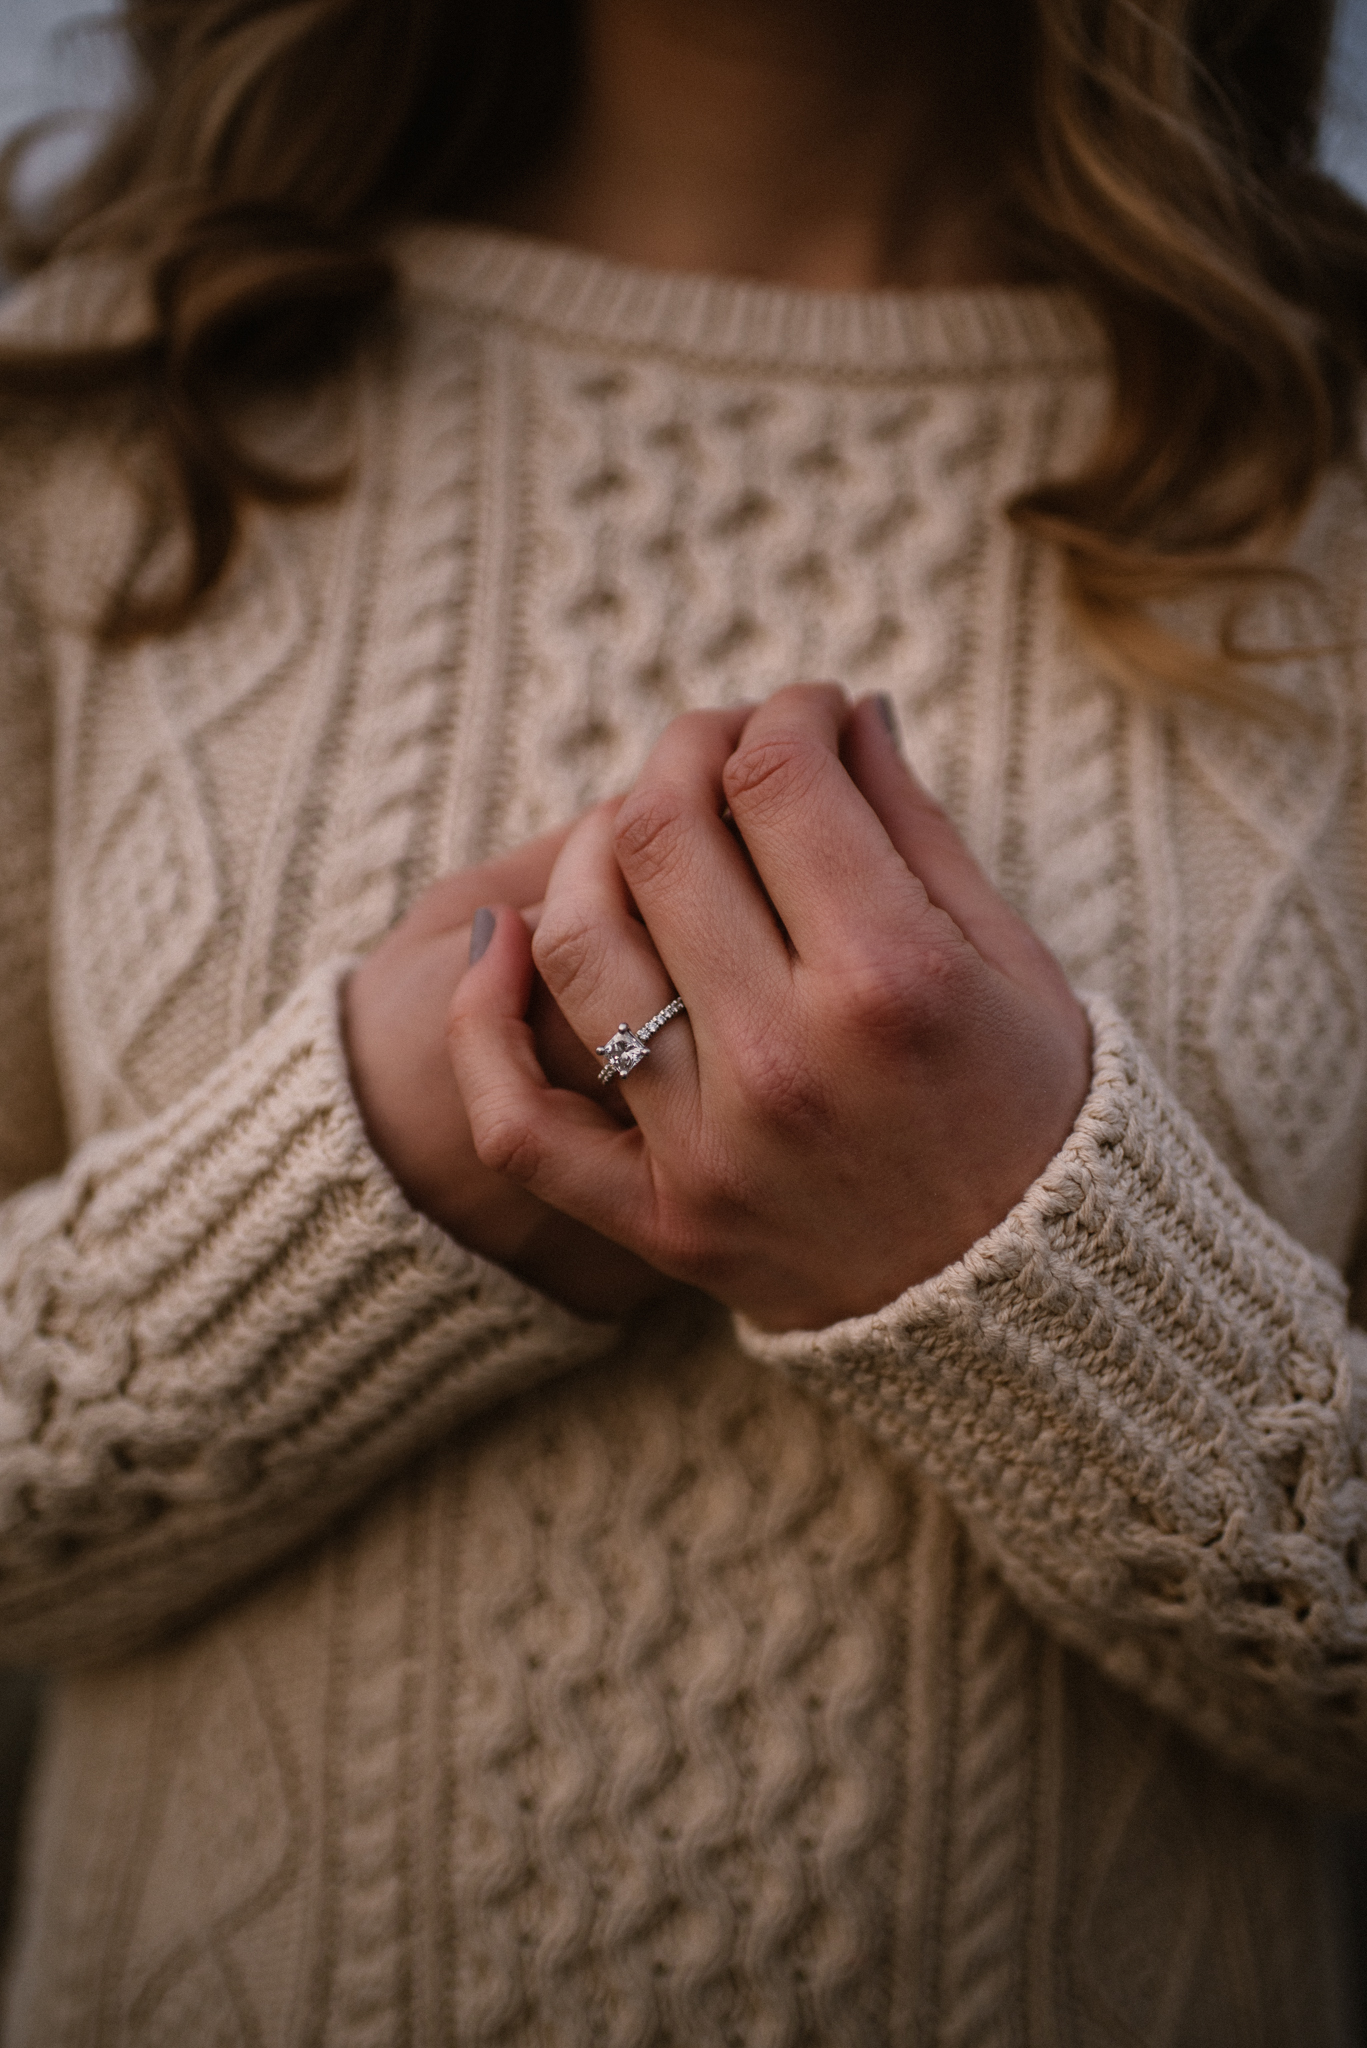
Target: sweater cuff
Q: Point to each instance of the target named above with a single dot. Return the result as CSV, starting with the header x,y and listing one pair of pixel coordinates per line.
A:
x,y
260,1201
1105,1345
218,1330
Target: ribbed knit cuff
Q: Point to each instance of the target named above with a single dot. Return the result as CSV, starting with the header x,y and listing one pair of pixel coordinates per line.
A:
x,y
1140,1392
218,1330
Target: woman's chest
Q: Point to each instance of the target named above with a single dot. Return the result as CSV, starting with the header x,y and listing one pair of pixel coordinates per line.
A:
x,y
554,554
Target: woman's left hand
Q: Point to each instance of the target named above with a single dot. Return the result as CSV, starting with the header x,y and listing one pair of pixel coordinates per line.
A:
x,y
879,1056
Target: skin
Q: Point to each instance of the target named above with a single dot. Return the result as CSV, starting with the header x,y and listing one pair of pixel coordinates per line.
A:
x,y
879,1056
799,141
395,1011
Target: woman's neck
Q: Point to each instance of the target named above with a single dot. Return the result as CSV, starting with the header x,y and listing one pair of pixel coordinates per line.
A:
x,y
787,140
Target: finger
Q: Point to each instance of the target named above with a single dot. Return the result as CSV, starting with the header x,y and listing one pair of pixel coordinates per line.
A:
x,y
927,841
601,965
564,1058
519,878
692,879
559,1145
833,875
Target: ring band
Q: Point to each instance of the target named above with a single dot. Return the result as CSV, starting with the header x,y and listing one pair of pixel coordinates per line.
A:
x,y
627,1048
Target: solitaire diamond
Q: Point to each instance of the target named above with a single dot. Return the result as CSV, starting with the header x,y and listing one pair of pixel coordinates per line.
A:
x,y
622,1052
626,1048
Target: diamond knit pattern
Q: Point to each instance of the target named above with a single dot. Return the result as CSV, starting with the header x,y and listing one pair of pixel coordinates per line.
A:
x,y
440,1669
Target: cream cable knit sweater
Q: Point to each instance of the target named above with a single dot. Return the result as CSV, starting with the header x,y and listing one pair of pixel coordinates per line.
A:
x,y
441,1669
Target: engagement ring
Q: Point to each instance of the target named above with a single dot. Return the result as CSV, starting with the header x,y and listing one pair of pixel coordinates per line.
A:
x,y
627,1048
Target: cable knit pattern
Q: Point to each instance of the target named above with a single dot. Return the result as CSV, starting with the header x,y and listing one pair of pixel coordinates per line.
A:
x,y
724,1712
439,1668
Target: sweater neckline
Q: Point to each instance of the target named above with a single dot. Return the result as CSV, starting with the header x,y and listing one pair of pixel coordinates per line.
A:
x,y
591,299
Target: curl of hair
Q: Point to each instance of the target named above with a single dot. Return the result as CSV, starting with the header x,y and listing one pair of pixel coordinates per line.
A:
x,y
1158,155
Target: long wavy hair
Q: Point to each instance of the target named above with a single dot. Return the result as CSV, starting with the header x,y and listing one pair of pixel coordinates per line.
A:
x,y
1157,155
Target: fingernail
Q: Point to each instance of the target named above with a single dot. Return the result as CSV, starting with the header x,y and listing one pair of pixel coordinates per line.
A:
x,y
481,931
889,717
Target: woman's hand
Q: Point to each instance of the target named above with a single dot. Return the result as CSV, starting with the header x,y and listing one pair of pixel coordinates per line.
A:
x,y
394,1015
879,1055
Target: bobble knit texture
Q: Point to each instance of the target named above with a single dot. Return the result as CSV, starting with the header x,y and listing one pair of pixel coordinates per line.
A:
x,y
438,1668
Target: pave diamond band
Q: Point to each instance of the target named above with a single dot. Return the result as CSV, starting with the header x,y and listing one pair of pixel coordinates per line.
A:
x,y
627,1048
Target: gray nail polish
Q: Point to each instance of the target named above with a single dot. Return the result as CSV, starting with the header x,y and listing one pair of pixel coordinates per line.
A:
x,y
889,718
481,931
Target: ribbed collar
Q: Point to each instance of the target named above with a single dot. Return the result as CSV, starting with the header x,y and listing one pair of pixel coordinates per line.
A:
x,y
728,321
588,299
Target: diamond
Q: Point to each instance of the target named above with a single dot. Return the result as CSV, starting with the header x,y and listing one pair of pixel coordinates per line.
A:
x,y
622,1053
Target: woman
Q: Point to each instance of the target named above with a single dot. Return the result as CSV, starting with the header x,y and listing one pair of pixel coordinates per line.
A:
x,y
848,1528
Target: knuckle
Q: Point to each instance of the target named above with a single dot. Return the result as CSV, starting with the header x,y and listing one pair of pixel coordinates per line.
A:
x,y
782,769
882,997
780,1087
507,1144
911,996
569,948
651,829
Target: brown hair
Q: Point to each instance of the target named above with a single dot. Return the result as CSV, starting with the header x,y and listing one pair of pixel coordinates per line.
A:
x,y
1157,154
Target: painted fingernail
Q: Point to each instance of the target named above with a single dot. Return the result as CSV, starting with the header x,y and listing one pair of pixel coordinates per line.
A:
x,y
889,717
481,931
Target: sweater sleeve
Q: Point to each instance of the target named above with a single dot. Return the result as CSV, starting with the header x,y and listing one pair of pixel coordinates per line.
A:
x,y
216,1332
1147,1402
219,1328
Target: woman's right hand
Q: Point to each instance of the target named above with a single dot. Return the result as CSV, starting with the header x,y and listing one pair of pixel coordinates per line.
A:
x,y
394,1015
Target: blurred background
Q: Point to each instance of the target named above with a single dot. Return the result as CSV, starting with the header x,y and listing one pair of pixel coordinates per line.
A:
x,y
54,55
51,55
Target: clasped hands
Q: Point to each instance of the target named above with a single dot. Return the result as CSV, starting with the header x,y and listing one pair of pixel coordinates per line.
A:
x,y
879,1056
